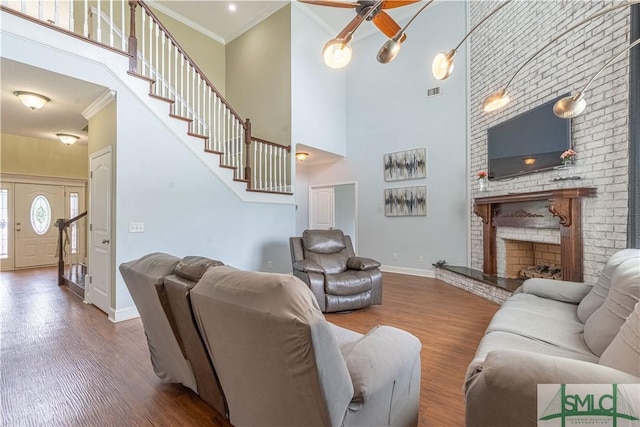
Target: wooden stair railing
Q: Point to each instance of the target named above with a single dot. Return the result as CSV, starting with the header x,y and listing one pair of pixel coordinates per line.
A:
x,y
174,77
77,270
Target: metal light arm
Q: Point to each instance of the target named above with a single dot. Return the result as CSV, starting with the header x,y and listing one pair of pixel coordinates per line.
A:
x,y
401,32
615,58
500,6
571,28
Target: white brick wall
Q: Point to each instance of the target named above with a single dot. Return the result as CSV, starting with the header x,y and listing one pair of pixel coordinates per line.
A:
x,y
600,134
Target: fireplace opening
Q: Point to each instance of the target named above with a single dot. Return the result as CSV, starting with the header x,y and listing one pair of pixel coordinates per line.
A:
x,y
525,260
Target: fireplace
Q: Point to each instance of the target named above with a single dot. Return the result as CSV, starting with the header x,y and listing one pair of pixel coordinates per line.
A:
x,y
544,217
524,260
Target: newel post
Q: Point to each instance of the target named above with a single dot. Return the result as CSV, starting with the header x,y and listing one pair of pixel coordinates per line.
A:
x,y
133,41
247,142
60,226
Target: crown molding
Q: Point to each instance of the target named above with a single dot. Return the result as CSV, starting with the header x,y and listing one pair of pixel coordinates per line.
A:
x,y
156,4
254,22
97,105
307,11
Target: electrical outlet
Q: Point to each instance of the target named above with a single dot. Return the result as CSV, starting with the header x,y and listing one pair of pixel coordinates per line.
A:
x,y
395,256
269,265
136,227
421,258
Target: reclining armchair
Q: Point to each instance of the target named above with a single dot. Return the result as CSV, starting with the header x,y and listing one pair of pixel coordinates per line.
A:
x,y
340,281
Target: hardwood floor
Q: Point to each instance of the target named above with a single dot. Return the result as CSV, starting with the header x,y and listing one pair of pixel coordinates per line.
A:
x,y
63,363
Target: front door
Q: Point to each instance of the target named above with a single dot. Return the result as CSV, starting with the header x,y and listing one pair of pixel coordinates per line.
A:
x,y
37,207
99,287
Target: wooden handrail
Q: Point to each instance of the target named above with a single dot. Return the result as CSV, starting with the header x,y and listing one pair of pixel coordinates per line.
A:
x,y
275,144
74,219
186,56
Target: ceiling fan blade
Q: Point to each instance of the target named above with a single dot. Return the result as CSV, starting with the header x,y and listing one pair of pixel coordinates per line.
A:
x,y
391,4
387,25
351,26
344,5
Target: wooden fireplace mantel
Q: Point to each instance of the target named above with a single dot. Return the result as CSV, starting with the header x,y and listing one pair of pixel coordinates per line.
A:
x,y
563,203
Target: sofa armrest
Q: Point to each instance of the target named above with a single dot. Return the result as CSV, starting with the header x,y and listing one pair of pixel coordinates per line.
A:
x,y
307,266
504,391
379,359
361,263
559,290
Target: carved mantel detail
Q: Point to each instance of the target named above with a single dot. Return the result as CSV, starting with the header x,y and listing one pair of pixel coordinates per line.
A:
x,y
562,209
483,211
564,203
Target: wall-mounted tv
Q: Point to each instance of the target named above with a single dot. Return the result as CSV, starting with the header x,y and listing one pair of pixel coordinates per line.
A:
x,y
529,142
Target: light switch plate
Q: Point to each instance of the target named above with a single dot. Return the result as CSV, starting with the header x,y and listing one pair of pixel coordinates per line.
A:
x,y
136,227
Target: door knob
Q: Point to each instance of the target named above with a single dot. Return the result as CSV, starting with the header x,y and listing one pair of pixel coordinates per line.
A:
x,y
104,241
18,229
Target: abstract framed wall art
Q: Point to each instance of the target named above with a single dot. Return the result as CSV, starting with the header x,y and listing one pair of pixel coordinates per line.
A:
x,y
410,164
405,201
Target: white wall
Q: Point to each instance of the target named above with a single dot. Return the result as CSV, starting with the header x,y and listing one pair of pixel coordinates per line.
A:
x,y
318,103
185,208
387,111
345,210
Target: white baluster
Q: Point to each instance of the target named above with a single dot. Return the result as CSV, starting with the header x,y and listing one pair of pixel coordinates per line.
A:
x,y
143,40
99,29
56,12
85,15
111,26
123,38
41,10
169,67
72,22
181,84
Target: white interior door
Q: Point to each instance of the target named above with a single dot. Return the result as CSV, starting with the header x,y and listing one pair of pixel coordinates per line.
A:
x,y
37,207
322,208
99,286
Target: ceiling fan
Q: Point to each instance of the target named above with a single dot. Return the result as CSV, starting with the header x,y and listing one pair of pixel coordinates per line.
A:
x,y
337,52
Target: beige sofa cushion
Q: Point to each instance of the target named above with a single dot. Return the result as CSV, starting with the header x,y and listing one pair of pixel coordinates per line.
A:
x,y
603,325
624,351
600,290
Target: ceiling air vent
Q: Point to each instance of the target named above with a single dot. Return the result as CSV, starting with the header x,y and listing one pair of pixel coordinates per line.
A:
x,y
433,91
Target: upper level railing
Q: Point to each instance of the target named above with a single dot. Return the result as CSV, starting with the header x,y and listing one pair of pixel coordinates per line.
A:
x,y
156,55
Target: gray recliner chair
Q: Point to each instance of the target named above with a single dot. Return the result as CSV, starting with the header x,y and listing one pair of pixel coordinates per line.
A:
x,y
340,280
281,363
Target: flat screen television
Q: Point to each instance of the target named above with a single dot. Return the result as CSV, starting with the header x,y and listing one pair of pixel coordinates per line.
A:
x,y
529,142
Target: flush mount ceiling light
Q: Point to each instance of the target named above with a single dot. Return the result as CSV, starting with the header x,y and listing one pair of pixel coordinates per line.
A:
x,y
301,156
529,160
67,139
572,106
32,100
442,65
232,7
500,98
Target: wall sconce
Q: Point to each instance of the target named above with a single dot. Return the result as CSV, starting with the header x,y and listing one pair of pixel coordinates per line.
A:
x,y
500,98
442,65
529,161
571,106
67,139
32,100
302,156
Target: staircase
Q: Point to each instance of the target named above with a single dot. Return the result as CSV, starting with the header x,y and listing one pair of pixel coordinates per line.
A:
x,y
173,78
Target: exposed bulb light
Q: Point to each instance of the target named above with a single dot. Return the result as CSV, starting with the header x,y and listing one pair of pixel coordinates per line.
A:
x,y
67,139
302,156
336,53
232,7
391,47
570,106
389,50
529,160
32,100
442,65
495,101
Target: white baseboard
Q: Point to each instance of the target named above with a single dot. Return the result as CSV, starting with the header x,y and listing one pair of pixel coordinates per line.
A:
x,y
409,271
125,314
